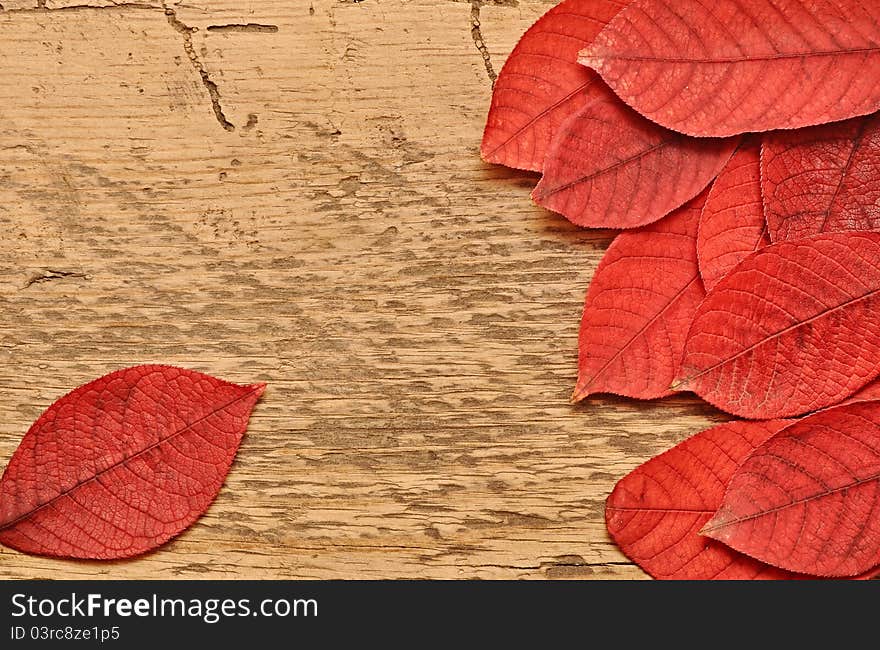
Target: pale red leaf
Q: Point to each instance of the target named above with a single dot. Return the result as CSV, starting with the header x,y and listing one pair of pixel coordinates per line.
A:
x,y
640,304
123,464
808,499
823,179
655,513
732,225
793,328
541,83
608,167
733,66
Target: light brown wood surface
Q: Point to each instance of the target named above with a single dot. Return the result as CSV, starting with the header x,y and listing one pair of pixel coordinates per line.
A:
x,y
290,191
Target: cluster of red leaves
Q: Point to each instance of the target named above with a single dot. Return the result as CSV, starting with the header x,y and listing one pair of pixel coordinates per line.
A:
x,y
737,143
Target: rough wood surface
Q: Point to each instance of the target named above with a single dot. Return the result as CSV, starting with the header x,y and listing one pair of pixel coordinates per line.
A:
x,y
290,191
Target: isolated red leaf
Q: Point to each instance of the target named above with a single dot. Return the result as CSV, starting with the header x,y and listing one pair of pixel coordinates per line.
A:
x,y
807,499
541,83
608,167
732,66
793,328
732,225
123,464
823,179
654,514
640,304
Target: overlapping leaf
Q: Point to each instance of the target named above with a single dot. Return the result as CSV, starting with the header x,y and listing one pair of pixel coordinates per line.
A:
x,y
807,499
732,225
123,464
734,66
610,168
823,179
541,83
641,301
869,392
655,513
793,328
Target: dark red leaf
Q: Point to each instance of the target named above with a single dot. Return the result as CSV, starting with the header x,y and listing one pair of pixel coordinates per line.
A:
x,y
732,225
732,66
123,464
655,513
608,167
541,83
807,499
793,328
640,304
823,179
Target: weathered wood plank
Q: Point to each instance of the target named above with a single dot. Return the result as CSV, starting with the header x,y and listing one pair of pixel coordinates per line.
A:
x,y
414,313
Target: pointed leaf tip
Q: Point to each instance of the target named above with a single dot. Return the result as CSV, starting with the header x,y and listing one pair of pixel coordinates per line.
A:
x,y
541,83
607,167
743,66
679,385
580,393
806,499
778,337
627,312
590,58
654,512
712,527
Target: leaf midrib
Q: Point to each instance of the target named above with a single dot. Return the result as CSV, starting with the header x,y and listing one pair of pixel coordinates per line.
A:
x,y
708,528
694,511
688,381
606,170
541,115
857,142
782,56
596,375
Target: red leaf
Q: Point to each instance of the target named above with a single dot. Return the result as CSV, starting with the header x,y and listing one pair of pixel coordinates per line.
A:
x,y
610,168
641,301
823,179
541,83
807,499
793,328
123,464
869,392
655,513
732,66
732,225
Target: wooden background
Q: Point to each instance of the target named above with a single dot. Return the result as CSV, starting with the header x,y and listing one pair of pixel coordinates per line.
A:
x,y
291,192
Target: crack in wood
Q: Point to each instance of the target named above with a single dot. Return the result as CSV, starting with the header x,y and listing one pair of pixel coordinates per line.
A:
x,y
42,8
477,35
181,28
53,274
253,28
213,91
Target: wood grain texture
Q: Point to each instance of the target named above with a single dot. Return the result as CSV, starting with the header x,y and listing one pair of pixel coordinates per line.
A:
x,y
414,314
